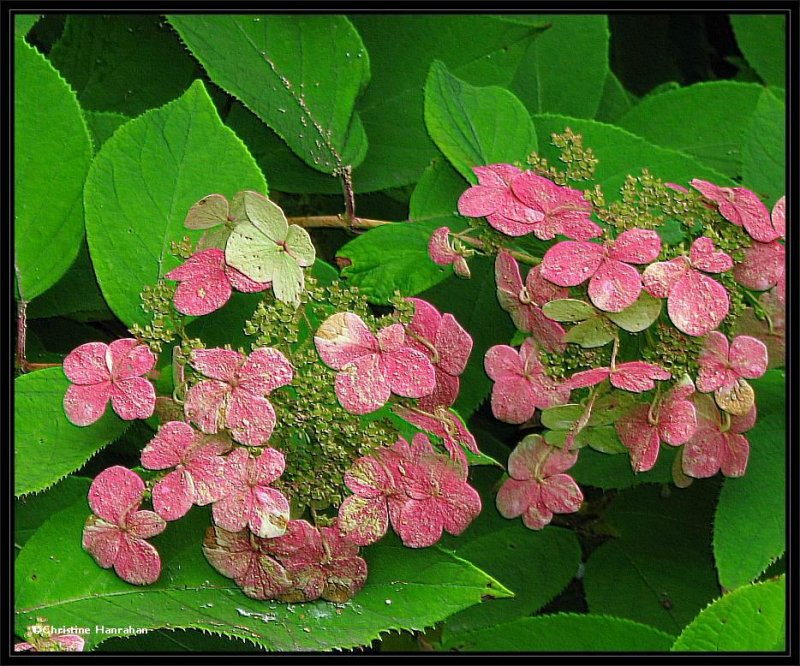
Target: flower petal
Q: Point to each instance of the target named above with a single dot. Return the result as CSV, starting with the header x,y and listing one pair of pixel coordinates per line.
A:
x,y
636,246
425,322
240,282
420,524
228,552
368,478
361,386
638,376
713,370
480,201
145,524
735,453
363,520
779,216
588,378
496,175
515,497
408,372
265,370
85,405
454,345
101,540
639,437
203,295
444,393
762,267
137,562
561,494
133,398
702,453
615,286
697,304
169,445
208,474
661,277
87,365
250,418
463,506
204,402
503,362
114,493
342,338
299,246
513,400
571,263
748,357
269,513
677,422
220,364
173,495
537,516
705,258
198,266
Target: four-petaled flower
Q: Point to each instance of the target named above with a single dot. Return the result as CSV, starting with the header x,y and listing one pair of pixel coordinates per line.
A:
x,y
613,283
372,367
743,208
524,301
442,253
538,487
724,369
247,498
115,535
764,264
100,372
696,304
207,282
233,397
634,376
671,420
198,475
442,339
521,384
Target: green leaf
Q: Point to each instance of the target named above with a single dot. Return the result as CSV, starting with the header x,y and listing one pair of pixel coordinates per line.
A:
x,y
406,589
750,619
564,632
762,38
658,571
568,309
401,51
615,101
23,23
32,511
750,522
764,148
603,439
594,332
135,207
613,472
705,120
564,69
638,316
47,446
474,126
102,124
51,158
126,63
300,76
561,417
177,640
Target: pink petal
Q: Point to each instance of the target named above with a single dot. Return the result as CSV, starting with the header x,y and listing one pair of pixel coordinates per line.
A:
x,y
84,405
426,320
173,495
638,376
735,453
361,386
507,275
264,578
133,398
454,345
537,516
713,370
198,266
232,511
697,304
570,263
203,295
137,562
269,512
136,361
515,497
301,544
636,246
764,264
561,494
741,207
748,357
444,393
391,338
660,278
615,286
677,422
549,333
221,364
439,249
87,364
101,540
480,201
463,506
510,227
342,338
204,402
512,400
540,290
408,372
265,370
588,378
701,454
251,418
228,552
555,461
240,282
368,478
703,257
114,493
266,468
363,521
208,475
70,642
503,362
169,445
496,175
513,209
144,524
639,437
526,459
743,423
420,524
779,216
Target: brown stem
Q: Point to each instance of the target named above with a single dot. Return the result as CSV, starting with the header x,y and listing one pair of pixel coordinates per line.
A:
x,y
22,333
349,195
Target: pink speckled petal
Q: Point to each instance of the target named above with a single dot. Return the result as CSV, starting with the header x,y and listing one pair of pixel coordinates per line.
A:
x,y
588,378
513,400
301,544
169,445
203,295
463,506
454,345
713,371
101,540
496,175
639,437
228,552
515,497
137,562
571,263
779,217
615,286
221,364
577,227
85,405
508,226
537,517
267,467
540,290
697,304
137,361
421,523
408,372
636,246
660,278
173,495
368,478
555,460
232,511
561,494
342,338
426,320
70,642
638,376
361,386
363,521
677,422
204,402
198,266
748,357
133,398
145,524
265,370
208,474
745,422
513,209
676,187
480,201
506,273
526,459
240,282
549,333
502,361
87,365
269,514
461,268
444,393
735,453
702,453
391,338
251,418
114,493
264,578
763,265
704,257
439,249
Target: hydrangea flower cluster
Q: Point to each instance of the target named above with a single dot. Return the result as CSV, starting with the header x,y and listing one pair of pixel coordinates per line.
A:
x,y
610,308
293,445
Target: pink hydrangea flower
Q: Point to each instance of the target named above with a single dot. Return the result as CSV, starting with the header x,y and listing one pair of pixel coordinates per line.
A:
x,y
764,264
538,487
714,447
444,424
247,498
100,372
445,342
613,283
494,199
197,477
565,211
52,643
233,397
672,420
524,302
741,207
248,560
116,534
321,563
634,376
521,384
207,282
438,497
443,253
372,367
771,332
696,303
723,368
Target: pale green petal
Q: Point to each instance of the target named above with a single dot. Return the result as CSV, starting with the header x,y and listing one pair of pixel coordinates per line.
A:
x,y
639,315
251,253
288,280
299,245
594,332
210,211
267,217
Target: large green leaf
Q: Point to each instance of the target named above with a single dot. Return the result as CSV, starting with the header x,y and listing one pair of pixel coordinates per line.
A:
x,y
750,619
51,157
761,38
610,472
32,511
615,101
24,22
102,124
750,523
122,62
47,446
706,120
764,148
565,69
141,185
564,632
300,76
474,126
406,589
659,570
